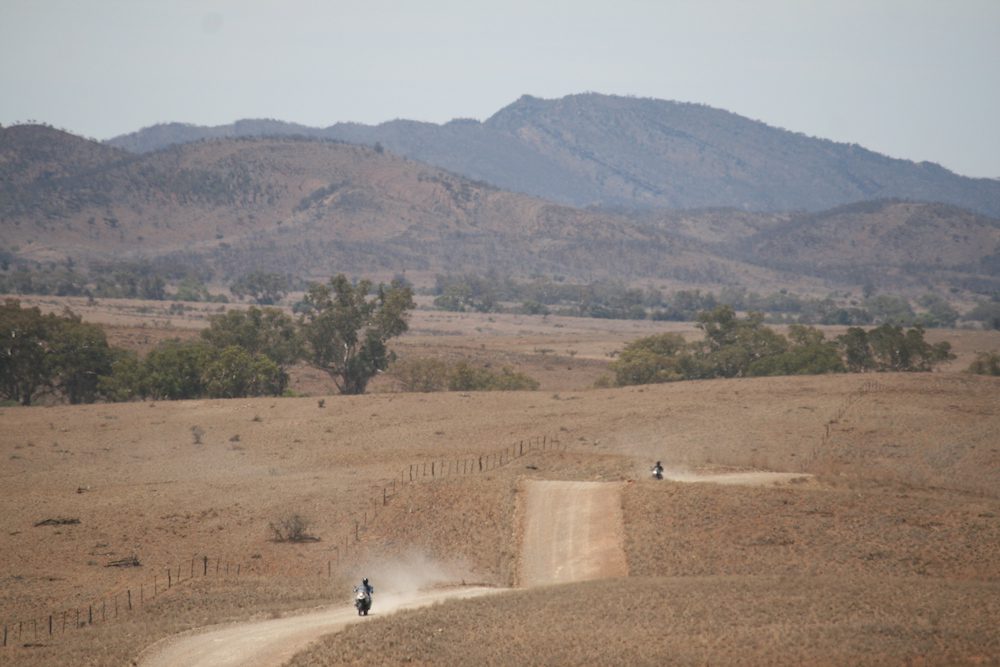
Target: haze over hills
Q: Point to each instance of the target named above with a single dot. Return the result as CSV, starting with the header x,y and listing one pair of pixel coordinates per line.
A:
x,y
314,207
609,151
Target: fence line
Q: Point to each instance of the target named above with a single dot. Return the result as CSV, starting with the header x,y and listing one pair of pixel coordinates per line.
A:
x,y
829,427
133,598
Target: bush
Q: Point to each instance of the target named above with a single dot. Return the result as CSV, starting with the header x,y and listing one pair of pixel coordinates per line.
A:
x,y
293,528
985,363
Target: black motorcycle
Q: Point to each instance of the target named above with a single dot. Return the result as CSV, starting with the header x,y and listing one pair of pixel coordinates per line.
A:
x,y
362,602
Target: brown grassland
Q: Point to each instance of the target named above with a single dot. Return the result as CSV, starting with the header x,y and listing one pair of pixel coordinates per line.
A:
x,y
884,551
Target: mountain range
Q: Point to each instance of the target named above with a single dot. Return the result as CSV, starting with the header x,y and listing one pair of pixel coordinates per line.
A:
x,y
313,206
625,152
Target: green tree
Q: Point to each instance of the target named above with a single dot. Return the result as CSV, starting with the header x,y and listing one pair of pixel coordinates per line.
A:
x,y
77,356
266,331
127,379
345,333
263,287
173,370
24,334
731,345
809,353
659,358
236,372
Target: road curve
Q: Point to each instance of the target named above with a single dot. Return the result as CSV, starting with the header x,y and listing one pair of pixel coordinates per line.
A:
x,y
273,642
573,531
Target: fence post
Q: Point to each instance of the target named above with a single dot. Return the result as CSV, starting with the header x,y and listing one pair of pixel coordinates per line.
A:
x,y
50,625
433,463
142,594
357,538
204,566
383,496
170,581
130,599
104,609
192,567
5,634
90,614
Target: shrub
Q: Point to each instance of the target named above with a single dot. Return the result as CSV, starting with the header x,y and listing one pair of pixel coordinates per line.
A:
x,y
985,363
292,528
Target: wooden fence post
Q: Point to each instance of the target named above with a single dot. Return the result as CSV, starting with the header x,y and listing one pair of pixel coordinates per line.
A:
x,y
130,599
5,634
90,614
169,579
204,566
50,625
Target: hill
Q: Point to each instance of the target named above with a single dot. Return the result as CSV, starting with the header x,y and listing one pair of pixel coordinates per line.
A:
x,y
310,207
882,550
609,151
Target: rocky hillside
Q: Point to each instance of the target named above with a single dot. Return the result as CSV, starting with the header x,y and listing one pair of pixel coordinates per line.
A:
x,y
314,207
609,151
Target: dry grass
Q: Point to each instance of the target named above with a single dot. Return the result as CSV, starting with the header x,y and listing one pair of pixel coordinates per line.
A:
x,y
906,497
689,621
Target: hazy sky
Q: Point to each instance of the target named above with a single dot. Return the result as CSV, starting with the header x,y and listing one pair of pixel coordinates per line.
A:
x,y
917,79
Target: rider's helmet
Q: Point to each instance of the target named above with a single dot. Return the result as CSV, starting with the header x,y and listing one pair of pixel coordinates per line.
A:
x,y
364,581
657,464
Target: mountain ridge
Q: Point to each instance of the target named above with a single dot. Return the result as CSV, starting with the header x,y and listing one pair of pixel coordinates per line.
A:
x,y
624,152
314,207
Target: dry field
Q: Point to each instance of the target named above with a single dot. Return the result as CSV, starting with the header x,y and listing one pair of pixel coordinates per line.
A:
x,y
884,551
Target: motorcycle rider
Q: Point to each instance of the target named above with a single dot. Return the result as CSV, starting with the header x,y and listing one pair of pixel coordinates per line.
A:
x,y
365,587
658,470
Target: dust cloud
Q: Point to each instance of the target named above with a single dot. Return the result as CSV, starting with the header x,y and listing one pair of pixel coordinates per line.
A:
x,y
397,579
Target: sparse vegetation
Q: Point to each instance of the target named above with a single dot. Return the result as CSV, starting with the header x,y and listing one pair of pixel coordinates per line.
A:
x,y
426,375
986,363
292,528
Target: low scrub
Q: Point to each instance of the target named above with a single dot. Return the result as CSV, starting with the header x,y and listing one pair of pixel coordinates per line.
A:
x,y
436,375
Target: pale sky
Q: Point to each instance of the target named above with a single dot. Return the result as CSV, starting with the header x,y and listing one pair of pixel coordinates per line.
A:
x,y
914,79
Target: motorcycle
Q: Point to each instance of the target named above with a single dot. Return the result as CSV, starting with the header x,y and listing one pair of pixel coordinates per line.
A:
x,y
657,471
362,602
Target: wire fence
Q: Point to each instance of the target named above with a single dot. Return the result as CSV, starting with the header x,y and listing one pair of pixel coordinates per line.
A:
x,y
136,597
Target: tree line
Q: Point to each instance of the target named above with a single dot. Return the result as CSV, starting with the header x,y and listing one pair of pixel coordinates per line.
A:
x,y
342,329
745,347
611,300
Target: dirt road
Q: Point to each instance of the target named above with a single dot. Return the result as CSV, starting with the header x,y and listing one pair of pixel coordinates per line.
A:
x,y
275,641
572,532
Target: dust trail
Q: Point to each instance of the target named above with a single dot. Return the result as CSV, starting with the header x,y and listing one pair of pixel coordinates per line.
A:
x,y
741,478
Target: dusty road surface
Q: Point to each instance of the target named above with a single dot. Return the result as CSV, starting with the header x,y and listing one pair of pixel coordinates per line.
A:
x,y
274,641
572,532
749,478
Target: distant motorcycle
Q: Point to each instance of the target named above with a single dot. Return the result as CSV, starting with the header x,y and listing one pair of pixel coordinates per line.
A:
x,y
657,471
362,602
